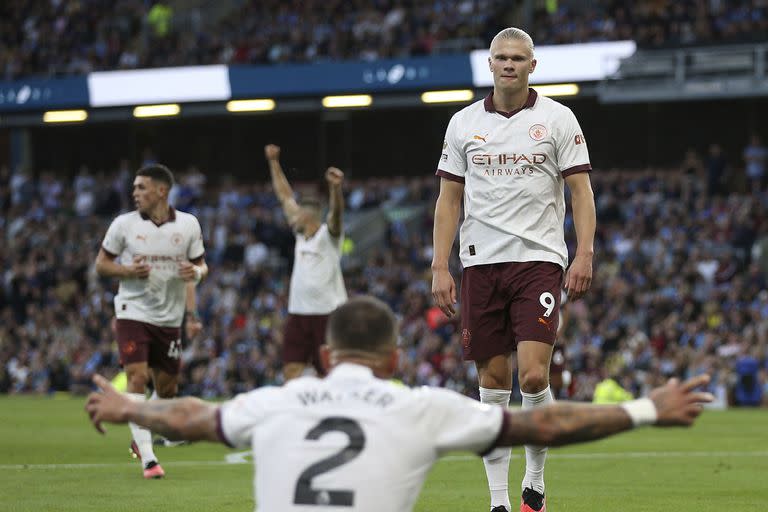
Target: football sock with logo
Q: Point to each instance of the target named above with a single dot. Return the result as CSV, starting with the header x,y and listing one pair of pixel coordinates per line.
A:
x,y
141,435
497,462
535,456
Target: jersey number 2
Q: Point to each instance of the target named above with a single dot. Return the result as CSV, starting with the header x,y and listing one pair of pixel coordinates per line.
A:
x,y
305,494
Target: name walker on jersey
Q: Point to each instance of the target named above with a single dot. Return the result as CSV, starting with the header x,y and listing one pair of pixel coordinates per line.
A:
x,y
373,397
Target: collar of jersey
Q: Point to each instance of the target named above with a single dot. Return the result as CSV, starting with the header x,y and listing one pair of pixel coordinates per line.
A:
x,y
350,370
489,107
171,217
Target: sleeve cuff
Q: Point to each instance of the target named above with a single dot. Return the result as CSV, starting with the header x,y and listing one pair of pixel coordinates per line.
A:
x,y
576,169
220,429
109,253
504,422
197,259
449,176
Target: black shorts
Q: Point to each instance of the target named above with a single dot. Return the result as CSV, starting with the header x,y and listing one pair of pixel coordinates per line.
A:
x,y
159,347
503,304
302,337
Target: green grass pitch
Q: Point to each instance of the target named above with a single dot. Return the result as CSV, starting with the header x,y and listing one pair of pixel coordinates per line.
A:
x,y
52,459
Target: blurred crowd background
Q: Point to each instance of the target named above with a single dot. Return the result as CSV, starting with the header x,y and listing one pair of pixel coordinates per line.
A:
x,y
58,37
680,284
681,254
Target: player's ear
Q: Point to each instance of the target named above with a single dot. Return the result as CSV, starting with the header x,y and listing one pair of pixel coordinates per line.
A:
x,y
325,357
161,188
533,65
490,65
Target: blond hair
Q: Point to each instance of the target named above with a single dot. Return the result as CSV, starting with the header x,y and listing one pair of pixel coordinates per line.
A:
x,y
514,34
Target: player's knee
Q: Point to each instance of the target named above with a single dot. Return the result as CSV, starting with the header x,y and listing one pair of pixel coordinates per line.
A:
x,y
534,380
137,381
169,390
492,380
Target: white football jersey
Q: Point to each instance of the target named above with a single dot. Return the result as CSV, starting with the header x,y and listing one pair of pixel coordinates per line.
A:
x,y
351,442
317,285
513,167
159,299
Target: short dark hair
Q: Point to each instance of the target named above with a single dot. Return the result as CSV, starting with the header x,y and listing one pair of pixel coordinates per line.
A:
x,y
157,172
363,323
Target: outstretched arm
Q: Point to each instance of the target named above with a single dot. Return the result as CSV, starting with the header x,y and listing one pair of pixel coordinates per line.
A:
x,y
335,178
280,183
674,404
183,418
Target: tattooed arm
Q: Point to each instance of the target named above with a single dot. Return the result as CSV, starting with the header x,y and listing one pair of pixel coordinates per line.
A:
x,y
563,423
183,418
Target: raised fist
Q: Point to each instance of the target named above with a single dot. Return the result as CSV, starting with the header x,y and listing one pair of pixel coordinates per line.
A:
x,y
272,152
334,176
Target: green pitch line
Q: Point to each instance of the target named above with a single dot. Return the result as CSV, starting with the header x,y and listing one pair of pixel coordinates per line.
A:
x,y
52,459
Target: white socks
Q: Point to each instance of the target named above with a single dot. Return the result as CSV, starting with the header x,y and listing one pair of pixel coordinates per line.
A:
x,y
497,462
535,456
141,435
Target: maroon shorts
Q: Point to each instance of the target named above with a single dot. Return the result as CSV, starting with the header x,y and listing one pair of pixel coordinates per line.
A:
x,y
302,338
140,342
505,303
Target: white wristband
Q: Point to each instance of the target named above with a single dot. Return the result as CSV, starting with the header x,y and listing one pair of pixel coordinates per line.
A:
x,y
198,274
642,411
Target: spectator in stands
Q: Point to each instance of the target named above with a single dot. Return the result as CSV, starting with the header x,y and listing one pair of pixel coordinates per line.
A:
x,y
748,390
656,215
756,158
57,38
716,169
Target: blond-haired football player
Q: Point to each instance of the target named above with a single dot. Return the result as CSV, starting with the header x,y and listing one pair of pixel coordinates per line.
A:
x,y
508,158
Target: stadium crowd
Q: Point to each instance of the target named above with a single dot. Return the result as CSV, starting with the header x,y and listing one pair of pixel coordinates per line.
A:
x,y
54,38
680,287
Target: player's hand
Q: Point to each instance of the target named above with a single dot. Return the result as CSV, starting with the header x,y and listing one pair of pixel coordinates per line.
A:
x,y
578,279
444,291
188,271
272,152
107,405
679,404
334,176
139,269
192,327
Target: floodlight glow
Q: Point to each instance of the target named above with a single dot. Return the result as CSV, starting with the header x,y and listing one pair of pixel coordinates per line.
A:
x,y
170,109
354,100
65,116
447,96
557,89
250,105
